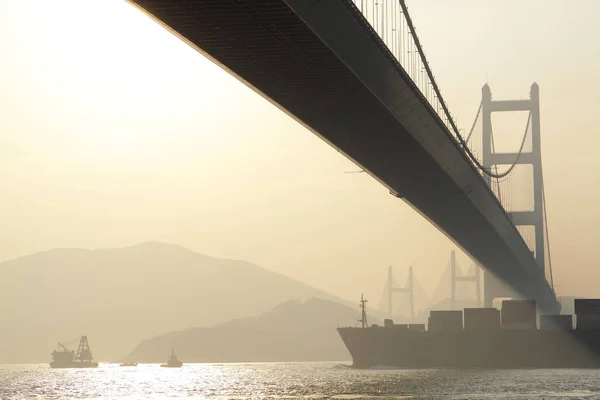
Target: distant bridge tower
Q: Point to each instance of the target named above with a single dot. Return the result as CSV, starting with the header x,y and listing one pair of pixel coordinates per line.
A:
x,y
454,279
408,289
493,288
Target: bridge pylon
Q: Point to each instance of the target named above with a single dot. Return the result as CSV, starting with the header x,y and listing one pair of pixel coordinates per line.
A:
x,y
455,278
493,287
391,289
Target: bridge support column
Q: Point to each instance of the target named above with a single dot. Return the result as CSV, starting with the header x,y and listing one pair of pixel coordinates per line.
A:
x,y
493,288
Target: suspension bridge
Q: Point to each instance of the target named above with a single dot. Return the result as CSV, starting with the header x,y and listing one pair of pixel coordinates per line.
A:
x,y
354,73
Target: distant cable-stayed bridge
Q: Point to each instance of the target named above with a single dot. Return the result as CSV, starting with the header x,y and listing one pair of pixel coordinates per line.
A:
x,y
408,302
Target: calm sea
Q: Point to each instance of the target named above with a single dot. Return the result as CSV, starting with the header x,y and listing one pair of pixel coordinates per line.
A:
x,y
291,381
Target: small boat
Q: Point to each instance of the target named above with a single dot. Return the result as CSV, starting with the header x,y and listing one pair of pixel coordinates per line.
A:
x,y
173,361
129,364
65,358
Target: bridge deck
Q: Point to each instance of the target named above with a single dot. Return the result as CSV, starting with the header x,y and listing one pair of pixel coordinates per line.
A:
x,y
320,62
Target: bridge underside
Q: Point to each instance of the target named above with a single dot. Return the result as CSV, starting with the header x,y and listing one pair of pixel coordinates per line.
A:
x,y
318,62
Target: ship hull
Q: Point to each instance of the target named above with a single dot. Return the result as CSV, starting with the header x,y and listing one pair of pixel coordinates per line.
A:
x,y
501,348
74,365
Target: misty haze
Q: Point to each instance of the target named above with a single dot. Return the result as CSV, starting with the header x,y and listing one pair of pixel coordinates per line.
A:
x,y
285,198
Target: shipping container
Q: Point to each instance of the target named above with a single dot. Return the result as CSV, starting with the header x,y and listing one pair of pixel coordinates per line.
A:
x,y
446,313
587,306
518,312
434,324
482,319
532,325
388,323
416,327
556,322
401,326
446,320
588,321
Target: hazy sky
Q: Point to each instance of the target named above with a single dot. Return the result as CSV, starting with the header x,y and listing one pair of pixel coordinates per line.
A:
x,y
113,132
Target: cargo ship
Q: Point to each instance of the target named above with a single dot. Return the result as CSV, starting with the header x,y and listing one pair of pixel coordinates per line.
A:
x,y
65,358
481,338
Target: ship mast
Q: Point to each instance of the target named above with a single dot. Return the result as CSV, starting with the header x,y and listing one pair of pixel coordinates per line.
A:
x,y
83,351
363,307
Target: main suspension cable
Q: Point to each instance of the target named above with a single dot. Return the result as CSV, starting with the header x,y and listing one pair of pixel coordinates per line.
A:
x,y
514,164
546,231
495,165
474,122
442,103
547,238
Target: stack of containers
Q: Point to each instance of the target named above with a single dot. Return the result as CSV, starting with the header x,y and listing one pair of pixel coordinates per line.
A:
x,y
482,319
416,327
446,321
588,313
556,322
519,314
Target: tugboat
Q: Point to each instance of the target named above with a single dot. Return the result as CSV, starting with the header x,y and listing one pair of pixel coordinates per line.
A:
x,y
65,358
173,361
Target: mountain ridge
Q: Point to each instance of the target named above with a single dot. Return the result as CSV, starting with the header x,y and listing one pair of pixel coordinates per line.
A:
x,y
292,331
119,296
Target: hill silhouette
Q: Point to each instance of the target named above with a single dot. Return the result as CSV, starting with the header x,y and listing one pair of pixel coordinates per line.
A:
x,y
119,296
291,331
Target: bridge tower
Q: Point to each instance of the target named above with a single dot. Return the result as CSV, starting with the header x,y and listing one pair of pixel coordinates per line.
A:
x,y
455,278
493,287
408,289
